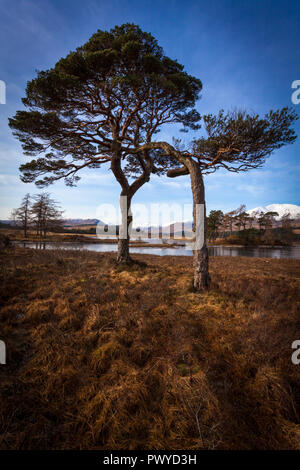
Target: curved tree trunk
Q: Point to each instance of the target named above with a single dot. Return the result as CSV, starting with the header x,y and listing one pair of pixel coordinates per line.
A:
x,y
127,194
123,242
200,252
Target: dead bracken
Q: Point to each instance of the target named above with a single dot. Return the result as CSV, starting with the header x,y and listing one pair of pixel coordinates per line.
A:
x,y
107,357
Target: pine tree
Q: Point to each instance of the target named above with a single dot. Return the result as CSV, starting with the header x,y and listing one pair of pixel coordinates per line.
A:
x,y
112,93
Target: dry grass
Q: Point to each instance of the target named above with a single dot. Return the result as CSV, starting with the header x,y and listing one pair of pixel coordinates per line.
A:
x,y
101,357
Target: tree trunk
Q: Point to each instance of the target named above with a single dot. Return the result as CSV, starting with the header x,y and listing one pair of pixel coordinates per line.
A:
x,y
123,242
123,252
201,272
200,252
127,193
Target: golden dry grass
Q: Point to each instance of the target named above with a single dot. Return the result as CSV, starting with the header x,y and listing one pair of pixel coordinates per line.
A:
x,y
101,357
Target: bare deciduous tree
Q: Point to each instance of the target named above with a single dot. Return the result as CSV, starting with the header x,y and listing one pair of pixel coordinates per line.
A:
x,y
45,214
21,215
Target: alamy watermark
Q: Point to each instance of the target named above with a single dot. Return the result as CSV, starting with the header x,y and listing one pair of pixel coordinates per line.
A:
x,y
2,352
296,94
2,92
153,221
296,354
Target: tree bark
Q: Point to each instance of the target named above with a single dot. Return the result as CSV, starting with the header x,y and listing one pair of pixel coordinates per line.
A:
x,y
201,269
200,253
123,252
123,256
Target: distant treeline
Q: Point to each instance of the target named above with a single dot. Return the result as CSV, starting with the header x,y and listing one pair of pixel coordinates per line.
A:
x,y
41,213
259,228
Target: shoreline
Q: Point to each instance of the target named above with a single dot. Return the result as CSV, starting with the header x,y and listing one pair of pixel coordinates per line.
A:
x,y
92,239
142,244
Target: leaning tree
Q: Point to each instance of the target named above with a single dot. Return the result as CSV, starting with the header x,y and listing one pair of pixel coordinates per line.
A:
x,y
111,94
235,141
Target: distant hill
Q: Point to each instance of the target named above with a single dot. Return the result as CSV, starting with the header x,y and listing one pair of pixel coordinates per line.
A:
x,y
76,222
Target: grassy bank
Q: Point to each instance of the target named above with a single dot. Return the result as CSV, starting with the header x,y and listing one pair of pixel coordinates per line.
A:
x,y
100,357
18,236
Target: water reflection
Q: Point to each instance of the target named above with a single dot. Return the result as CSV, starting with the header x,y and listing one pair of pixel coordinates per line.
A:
x,y
292,252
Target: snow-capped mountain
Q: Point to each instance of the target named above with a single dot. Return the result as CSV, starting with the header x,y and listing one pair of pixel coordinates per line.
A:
x,y
281,209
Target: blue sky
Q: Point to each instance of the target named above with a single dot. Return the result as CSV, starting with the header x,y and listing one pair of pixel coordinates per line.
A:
x,y
246,54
